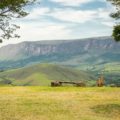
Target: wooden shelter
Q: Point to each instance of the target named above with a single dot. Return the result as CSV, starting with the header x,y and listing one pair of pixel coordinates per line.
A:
x,y
59,83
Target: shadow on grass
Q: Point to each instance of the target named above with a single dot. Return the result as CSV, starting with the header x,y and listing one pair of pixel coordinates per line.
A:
x,y
107,109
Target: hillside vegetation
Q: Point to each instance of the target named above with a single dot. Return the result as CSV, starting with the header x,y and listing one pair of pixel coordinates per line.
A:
x,y
111,72
43,74
93,54
62,103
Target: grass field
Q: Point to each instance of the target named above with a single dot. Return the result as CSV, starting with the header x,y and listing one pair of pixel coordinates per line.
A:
x,y
62,103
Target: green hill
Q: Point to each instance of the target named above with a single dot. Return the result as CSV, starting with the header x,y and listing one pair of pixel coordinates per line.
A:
x,y
43,74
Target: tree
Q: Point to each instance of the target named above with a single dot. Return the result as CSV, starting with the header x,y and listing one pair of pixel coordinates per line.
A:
x,y
10,9
116,15
116,32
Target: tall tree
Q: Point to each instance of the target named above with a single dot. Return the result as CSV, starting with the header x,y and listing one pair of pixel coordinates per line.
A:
x,y
10,9
116,15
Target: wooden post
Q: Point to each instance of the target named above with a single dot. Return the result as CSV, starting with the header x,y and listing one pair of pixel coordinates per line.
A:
x,y
100,81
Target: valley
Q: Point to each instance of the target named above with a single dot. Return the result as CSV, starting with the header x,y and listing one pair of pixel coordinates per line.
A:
x,y
69,60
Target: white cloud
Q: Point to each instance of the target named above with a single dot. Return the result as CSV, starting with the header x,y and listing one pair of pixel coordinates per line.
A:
x,y
108,23
75,2
37,13
104,13
72,2
71,15
33,31
105,19
68,14
43,31
80,16
36,27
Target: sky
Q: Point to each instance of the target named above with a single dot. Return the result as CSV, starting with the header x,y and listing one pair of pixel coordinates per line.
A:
x,y
64,20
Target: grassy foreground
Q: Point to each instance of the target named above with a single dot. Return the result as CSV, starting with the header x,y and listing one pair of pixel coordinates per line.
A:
x,y
64,103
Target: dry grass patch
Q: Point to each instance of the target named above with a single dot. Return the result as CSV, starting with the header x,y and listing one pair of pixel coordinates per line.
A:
x,y
64,103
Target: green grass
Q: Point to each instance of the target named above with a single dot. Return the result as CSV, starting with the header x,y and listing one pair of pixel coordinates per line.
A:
x,y
61,103
34,79
43,74
112,67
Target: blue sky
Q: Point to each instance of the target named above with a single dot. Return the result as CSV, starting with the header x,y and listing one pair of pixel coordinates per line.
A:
x,y
65,19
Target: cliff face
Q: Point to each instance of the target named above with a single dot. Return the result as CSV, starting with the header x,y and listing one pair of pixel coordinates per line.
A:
x,y
70,52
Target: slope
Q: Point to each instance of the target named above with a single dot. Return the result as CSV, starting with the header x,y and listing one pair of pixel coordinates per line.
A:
x,y
43,74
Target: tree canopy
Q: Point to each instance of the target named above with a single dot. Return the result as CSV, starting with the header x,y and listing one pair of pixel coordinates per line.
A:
x,y
10,9
116,15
